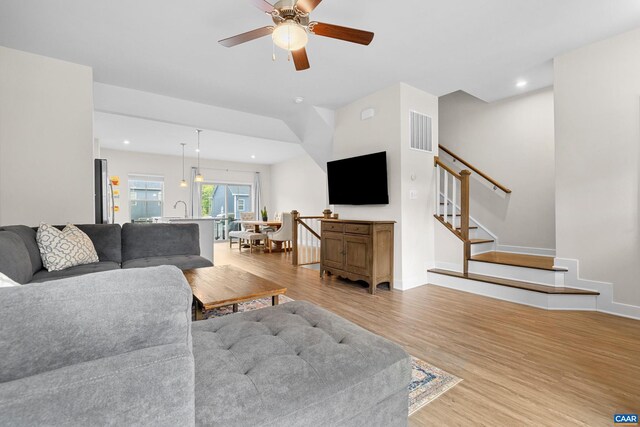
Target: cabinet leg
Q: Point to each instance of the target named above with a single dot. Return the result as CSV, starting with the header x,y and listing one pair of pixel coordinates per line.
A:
x,y
372,288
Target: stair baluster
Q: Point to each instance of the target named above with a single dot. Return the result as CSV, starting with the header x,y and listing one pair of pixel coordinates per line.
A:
x,y
444,172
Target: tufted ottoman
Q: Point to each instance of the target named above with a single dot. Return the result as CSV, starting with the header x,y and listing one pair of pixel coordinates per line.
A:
x,y
297,365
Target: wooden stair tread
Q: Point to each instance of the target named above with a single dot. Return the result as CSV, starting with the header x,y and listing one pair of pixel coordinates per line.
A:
x,y
479,241
528,286
518,260
471,227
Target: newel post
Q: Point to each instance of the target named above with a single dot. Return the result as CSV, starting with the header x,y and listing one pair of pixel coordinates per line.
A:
x,y
295,217
464,216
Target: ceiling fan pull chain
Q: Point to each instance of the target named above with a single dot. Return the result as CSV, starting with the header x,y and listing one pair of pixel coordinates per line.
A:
x,y
273,57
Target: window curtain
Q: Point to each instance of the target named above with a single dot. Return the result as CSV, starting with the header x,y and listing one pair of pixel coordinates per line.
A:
x,y
257,195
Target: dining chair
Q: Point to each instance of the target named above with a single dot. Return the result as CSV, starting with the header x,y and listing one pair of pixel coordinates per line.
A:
x,y
284,234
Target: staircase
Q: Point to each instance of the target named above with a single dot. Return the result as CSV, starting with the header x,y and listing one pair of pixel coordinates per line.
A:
x,y
525,279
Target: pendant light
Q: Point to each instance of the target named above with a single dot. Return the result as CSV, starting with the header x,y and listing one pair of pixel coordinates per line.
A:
x,y
183,183
199,177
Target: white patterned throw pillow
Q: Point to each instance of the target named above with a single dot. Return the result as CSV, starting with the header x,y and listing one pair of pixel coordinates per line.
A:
x,y
6,282
63,249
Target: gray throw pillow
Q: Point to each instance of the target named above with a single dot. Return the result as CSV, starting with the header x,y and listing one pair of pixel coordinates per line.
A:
x,y
63,249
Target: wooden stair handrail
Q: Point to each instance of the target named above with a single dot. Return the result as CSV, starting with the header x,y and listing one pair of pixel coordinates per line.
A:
x,y
475,169
316,235
438,162
297,219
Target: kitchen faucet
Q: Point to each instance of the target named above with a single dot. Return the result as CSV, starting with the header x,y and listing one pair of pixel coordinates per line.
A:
x,y
185,207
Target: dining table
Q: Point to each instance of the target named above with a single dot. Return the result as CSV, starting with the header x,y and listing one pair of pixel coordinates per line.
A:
x,y
258,225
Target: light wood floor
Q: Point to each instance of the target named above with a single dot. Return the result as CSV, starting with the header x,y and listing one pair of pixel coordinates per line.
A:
x,y
520,365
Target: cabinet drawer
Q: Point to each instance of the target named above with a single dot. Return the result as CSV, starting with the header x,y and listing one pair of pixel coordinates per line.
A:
x,y
329,226
357,228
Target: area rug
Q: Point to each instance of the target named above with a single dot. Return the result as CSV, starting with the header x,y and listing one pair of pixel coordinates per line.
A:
x,y
427,381
427,384
245,306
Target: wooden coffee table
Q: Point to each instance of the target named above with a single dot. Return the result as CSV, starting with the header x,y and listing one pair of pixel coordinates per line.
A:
x,y
223,285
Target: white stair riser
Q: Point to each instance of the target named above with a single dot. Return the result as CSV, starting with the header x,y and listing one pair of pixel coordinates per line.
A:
x,y
545,277
480,248
519,296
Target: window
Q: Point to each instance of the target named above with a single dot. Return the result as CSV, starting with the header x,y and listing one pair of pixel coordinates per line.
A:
x,y
224,200
145,197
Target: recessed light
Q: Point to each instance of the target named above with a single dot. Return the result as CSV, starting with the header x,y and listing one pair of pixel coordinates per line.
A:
x,y
253,156
126,142
197,150
298,100
521,83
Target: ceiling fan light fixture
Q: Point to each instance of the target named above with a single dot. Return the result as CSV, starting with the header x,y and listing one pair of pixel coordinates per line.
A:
x,y
289,35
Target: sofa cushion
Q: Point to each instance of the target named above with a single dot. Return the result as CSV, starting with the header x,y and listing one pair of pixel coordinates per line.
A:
x,y
47,326
96,267
64,249
183,262
107,240
14,258
295,365
156,240
28,236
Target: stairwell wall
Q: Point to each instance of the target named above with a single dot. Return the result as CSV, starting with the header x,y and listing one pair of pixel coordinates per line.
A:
x,y
513,142
597,116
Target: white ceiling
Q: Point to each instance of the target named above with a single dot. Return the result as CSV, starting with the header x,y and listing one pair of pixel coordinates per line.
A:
x,y
150,136
170,47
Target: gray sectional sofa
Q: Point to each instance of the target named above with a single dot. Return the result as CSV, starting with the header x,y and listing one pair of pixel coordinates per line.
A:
x,y
119,348
129,246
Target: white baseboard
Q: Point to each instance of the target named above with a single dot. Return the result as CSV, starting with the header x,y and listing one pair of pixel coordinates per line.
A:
x,y
526,250
606,304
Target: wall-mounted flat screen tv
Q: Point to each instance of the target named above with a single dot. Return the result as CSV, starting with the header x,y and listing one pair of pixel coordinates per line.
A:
x,y
359,180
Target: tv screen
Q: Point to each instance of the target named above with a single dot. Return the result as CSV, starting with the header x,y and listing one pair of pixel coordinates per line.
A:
x,y
359,180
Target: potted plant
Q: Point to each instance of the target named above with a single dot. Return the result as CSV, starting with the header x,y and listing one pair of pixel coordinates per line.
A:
x,y
263,212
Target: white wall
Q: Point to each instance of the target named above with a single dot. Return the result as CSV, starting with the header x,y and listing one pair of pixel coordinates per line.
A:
x,y
513,142
125,163
299,184
389,130
46,140
417,174
356,137
597,106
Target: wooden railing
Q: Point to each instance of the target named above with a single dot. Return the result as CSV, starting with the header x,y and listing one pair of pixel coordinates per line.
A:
x,y
493,182
452,191
306,237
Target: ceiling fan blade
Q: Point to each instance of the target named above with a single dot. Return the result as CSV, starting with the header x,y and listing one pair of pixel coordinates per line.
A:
x,y
342,33
307,6
300,59
246,37
263,5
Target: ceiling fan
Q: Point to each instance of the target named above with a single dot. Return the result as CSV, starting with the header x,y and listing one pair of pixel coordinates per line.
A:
x,y
292,26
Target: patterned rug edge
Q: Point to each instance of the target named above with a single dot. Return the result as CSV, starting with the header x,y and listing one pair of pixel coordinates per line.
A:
x,y
428,396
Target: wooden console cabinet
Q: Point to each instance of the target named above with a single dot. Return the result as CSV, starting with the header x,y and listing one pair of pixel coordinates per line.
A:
x,y
358,250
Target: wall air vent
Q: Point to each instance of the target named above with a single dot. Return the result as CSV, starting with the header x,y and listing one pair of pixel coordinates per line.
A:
x,y
421,132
